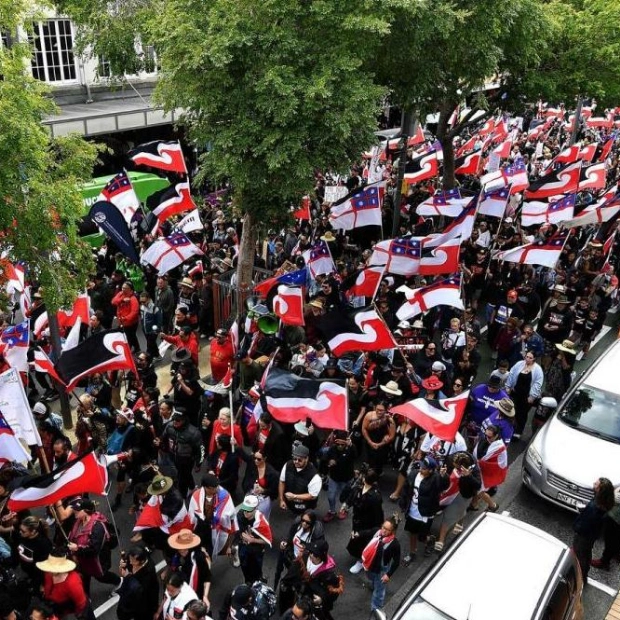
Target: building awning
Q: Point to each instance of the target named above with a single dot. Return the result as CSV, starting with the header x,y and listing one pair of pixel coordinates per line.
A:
x,y
105,117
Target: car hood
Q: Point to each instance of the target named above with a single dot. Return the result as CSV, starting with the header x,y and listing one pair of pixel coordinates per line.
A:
x,y
576,455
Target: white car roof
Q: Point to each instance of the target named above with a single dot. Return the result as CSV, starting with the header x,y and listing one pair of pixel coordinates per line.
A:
x,y
604,375
501,570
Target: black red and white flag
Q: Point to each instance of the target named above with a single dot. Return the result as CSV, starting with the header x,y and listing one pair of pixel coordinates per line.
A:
x,y
562,181
363,283
425,166
361,329
593,176
291,399
42,363
161,155
152,517
441,418
468,164
288,305
87,474
171,201
101,352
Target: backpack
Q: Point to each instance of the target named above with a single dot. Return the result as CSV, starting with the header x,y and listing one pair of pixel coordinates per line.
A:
x,y
110,538
265,601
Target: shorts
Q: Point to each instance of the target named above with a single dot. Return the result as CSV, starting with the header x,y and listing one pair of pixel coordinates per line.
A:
x,y
421,528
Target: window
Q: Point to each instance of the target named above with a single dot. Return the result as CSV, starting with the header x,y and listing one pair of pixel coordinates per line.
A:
x,y
5,39
103,67
53,59
151,64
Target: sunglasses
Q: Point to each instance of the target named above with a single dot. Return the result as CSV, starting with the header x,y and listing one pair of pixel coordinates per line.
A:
x,y
458,385
306,521
259,460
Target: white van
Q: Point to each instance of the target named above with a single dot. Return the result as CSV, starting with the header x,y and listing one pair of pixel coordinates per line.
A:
x,y
499,568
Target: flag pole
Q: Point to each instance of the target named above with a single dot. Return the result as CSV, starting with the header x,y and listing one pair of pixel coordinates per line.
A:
x,y
46,467
494,244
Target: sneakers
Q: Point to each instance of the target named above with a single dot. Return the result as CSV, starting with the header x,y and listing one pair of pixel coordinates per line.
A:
x,y
356,568
410,557
598,563
342,514
430,546
330,516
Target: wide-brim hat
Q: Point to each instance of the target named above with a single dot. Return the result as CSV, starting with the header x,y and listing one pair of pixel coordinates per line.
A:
x,y
160,485
432,383
562,299
183,539
391,387
56,564
568,346
181,354
596,244
506,407
328,236
187,282
301,428
317,303
418,325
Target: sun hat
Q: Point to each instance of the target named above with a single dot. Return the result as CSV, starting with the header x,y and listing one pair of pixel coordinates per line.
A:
x,y
160,485
417,324
328,236
562,299
432,383
184,539
187,282
301,428
56,564
438,366
506,407
391,387
404,325
39,409
568,346
250,502
181,354
316,303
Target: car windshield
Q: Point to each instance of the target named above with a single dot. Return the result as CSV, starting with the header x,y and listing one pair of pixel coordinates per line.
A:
x,y
593,411
421,610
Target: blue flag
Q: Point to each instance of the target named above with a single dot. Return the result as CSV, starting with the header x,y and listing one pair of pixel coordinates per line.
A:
x,y
112,222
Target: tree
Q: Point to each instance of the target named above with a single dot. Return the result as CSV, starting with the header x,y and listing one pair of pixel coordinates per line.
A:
x,y
583,41
39,178
277,88
439,54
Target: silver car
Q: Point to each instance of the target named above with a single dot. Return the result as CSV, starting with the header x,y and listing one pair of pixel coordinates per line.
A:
x,y
581,441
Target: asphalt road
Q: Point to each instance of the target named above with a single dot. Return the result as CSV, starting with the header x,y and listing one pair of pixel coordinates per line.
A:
x,y
355,601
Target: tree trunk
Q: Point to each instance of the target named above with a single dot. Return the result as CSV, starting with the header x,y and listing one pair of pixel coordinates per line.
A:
x,y
445,137
65,407
407,128
245,265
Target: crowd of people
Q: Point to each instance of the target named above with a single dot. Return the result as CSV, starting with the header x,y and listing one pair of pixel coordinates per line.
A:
x,y
528,323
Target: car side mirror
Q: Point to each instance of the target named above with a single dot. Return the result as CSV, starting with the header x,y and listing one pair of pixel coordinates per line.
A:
x,y
377,614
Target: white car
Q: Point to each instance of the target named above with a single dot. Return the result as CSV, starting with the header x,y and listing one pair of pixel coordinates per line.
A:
x,y
499,568
581,441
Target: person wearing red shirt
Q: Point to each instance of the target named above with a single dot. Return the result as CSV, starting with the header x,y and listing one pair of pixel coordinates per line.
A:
x,y
62,586
187,339
222,354
222,426
128,313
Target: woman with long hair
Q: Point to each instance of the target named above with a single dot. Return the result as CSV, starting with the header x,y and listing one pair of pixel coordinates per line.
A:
x,y
589,523
33,545
524,385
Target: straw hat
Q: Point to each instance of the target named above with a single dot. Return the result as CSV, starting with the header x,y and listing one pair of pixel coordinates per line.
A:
x,y
506,407
187,282
184,539
160,485
317,303
568,346
391,387
56,564
328,236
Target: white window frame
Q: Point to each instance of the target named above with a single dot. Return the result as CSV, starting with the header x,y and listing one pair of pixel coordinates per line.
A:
x,y
46,68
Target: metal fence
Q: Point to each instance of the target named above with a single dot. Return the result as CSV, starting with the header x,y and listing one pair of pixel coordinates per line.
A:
x,y
226,295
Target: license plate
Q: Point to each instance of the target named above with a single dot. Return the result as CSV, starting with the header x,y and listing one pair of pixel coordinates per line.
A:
x,y
571,501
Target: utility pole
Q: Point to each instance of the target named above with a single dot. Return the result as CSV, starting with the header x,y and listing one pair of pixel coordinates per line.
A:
x,y
407,128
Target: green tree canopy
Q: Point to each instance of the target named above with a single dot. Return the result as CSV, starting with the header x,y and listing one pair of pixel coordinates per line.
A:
x,y
39,177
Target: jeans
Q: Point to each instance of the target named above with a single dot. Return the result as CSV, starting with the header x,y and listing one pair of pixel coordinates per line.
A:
x,y
334,490
378,590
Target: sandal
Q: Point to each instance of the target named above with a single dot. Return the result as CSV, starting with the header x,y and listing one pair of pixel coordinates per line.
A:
x,y
439,546
394,498
493,508
457,529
